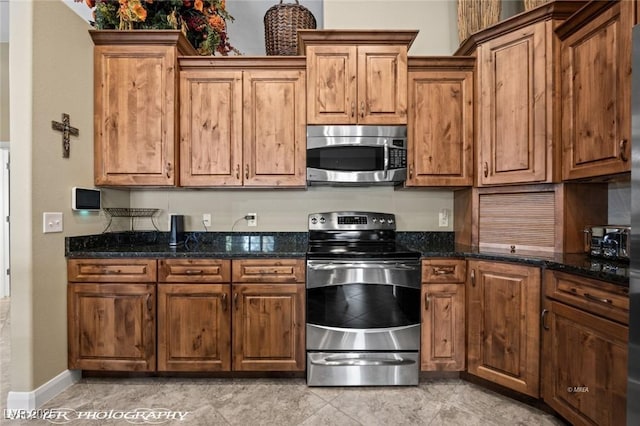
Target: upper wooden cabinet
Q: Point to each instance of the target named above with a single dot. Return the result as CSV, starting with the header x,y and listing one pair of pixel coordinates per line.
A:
x,y
356,76
242,122
517,107
440,123
503,335
135,100
596,90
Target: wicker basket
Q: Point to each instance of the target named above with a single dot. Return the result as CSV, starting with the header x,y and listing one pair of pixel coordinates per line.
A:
x,y
475,15
281,24
530,4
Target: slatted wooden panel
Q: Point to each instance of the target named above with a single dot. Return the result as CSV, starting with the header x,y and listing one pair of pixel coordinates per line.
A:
x,y
525,220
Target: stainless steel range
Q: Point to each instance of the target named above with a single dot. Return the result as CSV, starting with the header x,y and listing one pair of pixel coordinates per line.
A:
x,y
363,302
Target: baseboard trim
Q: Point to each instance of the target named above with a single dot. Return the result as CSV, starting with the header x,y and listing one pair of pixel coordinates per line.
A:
x,y
37,398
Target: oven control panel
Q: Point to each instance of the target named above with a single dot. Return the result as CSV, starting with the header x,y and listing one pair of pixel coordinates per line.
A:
x,y
351,221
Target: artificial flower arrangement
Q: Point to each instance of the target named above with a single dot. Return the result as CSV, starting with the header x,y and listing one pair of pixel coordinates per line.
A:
x,y
203,22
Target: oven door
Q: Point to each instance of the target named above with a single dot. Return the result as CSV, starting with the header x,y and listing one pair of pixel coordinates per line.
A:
x,y
363,305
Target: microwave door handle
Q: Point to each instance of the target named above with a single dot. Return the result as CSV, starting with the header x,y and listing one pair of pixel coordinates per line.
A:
x,y
386,160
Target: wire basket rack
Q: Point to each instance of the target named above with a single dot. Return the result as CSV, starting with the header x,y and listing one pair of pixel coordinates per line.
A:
x,y
131,213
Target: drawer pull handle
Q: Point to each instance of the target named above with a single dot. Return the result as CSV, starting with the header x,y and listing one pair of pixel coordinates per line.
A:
x,y
111,271
353,109
235,301
542,318
473,278
598,299
426,301
411,171
486,169
246,171
237,171
362,109
193,271
446,270
149,306
224,302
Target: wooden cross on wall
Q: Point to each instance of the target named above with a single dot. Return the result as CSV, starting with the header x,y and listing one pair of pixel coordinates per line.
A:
x,y
66,130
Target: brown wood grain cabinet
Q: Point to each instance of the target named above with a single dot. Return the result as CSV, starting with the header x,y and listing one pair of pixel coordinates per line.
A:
x,y
111,314
596,90
194,315
440,122
356,77
503,326
268,315
135,106
443,346
242,122
585,332
515,107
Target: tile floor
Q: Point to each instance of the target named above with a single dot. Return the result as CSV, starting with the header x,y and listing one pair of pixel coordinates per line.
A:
x,y
281,401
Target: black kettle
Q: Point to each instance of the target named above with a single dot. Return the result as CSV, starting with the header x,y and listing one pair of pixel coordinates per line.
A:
x,y
176,233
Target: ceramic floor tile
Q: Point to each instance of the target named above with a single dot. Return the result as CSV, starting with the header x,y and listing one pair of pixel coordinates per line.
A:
x,y
388,406
330,416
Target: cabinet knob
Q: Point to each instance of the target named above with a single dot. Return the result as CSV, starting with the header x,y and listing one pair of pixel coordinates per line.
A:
x,y
235,301
224,302
486,169
411,171
623,150
426,301
473,278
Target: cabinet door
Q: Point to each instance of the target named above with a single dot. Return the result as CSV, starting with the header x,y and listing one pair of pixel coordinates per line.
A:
x,y
194,327
135,97
111,326
443,333
331,84
512,111
274,128
440,128
382,85
210,128
585,367
596,90
504,324
268,327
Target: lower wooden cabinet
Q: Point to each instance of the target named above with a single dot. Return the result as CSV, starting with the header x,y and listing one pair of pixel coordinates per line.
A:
x,y
584,353
194,327
442,346
268,327
111,326
504,324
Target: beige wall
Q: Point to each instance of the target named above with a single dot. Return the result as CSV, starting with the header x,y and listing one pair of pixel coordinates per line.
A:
x,y
4,91
45,83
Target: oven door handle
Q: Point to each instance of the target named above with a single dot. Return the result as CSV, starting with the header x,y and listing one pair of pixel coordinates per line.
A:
x,y
345,362
386,159
356,265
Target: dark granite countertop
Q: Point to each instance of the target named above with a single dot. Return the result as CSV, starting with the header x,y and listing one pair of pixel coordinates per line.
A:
x,y
228,245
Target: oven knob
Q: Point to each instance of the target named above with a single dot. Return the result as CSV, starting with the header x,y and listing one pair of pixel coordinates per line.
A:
x,y
382,220
314,220
390,221
374,220
322,220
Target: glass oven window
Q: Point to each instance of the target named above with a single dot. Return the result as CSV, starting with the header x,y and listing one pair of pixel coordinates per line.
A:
x,y
347,158
363,306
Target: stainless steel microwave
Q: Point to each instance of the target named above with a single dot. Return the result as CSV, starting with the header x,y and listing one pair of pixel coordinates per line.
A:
x,y
356,155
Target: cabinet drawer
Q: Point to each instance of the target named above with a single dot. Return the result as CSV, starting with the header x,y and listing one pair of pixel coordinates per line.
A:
x,y
598,297
268,270
112,270
444,271
194,271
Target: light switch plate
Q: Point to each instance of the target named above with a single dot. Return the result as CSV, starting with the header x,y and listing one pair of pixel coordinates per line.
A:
x,y
51,222
206,219
443,218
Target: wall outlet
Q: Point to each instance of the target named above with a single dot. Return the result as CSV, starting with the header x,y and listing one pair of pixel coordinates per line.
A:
x,y
206,219
254,221
443,218
51,222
